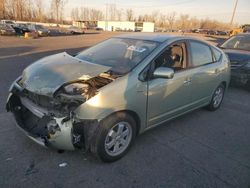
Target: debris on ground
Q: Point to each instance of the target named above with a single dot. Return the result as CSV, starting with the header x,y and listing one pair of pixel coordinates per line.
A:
x,y
63,164
31,169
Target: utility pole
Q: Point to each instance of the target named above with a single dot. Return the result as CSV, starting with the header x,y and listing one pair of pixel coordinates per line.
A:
x,y
106,17
235,6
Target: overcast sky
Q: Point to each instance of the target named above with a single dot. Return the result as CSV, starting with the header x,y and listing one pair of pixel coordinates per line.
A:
x,y
213,9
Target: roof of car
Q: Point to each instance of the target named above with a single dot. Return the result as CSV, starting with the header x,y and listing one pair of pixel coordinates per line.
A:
x,y
151,36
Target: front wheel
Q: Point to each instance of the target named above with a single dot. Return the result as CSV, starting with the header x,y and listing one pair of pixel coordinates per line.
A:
x,y
217,98
114,137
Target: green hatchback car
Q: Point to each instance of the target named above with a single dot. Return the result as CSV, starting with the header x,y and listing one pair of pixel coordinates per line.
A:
x,y
102,98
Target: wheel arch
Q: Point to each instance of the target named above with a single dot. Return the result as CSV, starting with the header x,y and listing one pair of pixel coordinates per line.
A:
x,y
132,114
224,83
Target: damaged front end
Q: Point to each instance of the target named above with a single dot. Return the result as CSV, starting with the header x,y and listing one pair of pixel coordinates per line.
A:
x,y
48,118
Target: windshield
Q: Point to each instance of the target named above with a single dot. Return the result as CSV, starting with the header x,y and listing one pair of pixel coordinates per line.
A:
x,y
122,55
39,27
241,42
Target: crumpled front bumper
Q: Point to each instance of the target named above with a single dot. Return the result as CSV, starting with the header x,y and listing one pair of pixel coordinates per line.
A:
x,y
65,133
39,128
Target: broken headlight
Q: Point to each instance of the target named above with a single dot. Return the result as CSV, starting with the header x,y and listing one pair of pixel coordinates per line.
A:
x,y
82,91
76,88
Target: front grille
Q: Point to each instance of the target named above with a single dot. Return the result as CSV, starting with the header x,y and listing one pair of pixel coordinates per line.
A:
x,y
32,124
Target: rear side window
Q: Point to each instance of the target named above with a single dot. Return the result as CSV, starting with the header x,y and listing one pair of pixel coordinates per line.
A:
x,y
200,53
217,54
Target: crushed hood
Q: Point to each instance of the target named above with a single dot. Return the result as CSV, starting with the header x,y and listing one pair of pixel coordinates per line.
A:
x,y
48,74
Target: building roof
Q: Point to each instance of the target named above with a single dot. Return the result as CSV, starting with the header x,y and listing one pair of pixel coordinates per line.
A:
x,y
147,36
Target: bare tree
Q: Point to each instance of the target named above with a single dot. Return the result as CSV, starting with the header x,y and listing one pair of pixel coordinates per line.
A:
x,y
194,23
129,14
119,14
39,9
171,19
86,14
34,10
162,21
75,14
154,16
147,18
140,18
184,21
112,12
57,7
95,14
2,9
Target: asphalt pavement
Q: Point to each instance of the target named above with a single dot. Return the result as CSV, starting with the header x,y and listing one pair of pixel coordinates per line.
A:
x,y
199,149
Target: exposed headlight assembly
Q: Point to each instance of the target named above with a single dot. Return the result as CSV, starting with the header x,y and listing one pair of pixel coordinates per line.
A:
x,y
76,88
80,91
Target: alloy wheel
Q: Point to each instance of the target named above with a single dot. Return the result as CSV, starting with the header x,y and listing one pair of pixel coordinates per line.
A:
x,y
118,138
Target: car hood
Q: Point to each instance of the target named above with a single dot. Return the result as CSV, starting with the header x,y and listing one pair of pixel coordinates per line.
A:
x,y
47,75
237,56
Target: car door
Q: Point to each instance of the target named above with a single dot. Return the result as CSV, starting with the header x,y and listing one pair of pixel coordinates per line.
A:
x,y
205,68
168,98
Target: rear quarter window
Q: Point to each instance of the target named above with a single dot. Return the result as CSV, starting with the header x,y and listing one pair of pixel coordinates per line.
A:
x,y
201,54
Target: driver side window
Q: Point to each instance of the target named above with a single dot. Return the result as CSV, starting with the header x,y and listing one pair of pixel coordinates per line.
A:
x,y
173,57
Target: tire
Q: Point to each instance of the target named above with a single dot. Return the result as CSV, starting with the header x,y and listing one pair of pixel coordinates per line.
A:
x,y
217,98
114,137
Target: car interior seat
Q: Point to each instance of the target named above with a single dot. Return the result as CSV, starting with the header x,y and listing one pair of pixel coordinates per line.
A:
x,y
177,57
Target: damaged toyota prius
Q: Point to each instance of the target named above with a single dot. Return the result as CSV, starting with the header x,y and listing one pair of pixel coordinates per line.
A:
x,y
102,98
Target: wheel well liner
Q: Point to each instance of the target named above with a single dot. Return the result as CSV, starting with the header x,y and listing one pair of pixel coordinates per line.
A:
x,y
131,113
224,83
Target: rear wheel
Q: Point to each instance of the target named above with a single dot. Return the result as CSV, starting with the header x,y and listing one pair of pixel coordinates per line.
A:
x,y
114,137
217,98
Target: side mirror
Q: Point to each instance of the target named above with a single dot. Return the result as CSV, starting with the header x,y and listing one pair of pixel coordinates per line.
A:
x,y
163,72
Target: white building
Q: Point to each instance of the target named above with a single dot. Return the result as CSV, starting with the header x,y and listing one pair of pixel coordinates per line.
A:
x,y
126,26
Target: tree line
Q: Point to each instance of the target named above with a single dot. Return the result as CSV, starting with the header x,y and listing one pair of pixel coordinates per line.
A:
x,y
36,10
170,21
32,10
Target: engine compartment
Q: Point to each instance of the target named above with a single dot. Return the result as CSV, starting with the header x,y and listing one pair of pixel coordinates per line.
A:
x,y
62,103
